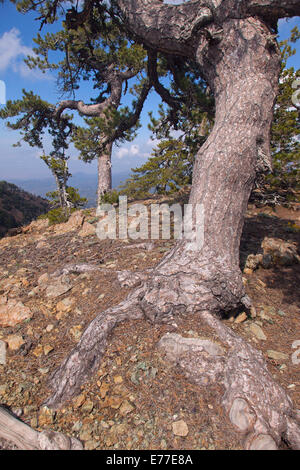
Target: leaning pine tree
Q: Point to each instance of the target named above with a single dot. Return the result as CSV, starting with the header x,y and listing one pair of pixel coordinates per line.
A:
x,y
234,44
108,60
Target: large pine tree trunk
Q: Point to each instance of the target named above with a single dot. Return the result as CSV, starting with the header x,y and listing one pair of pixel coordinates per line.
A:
x,y
104,173
242,70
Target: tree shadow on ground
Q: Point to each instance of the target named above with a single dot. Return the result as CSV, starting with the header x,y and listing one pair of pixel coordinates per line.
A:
x,y
256,228
283,278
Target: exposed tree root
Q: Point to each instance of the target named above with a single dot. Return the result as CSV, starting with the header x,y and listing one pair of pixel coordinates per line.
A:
x,y
86,356
158,298
257,406
126,278
26,438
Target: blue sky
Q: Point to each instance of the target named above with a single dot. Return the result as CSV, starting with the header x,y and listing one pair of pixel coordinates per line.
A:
x,y
16,33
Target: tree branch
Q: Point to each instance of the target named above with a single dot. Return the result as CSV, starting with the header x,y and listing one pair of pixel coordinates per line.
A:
x,y
85,109
274,8
173,29
168,28
159,88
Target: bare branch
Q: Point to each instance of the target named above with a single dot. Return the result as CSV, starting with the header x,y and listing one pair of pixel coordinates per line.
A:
x,y
274,8
85,109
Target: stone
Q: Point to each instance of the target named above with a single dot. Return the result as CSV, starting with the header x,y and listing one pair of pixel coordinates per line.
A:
x,y
86,433
65,304
2,353
126,408
79,400
77,426
87,230
76,332
41,245
38,351
282,253
74,223
46,416
253,261
47,349
267,261
76,220
276,355
241,318
36,226
180,428
257,331
253,311
248,271
14,342
91,444
265,317
13,312
118,379
176,345
281,313
58,288
114,402
103,390
43,279
87,406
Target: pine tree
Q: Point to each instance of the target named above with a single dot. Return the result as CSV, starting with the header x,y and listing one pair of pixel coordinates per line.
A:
x,y
35,117
162,174
166,171
284,181
95,51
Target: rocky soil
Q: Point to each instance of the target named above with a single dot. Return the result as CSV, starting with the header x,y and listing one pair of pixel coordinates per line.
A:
x,y
137,399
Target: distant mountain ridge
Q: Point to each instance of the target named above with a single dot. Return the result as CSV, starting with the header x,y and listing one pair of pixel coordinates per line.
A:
x,y
85,183
18,207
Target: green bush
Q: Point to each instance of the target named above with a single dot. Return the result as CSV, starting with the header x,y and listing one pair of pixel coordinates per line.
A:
x,y
111,197
55,216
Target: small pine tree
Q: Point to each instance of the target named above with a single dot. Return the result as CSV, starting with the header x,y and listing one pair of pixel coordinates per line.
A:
x,y
169,168
285,142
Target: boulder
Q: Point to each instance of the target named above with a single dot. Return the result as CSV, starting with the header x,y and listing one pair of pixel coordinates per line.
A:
x,y
282,253
87,229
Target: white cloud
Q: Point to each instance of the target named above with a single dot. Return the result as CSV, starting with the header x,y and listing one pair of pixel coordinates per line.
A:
x,y
13,52
122,152
153,142
134,149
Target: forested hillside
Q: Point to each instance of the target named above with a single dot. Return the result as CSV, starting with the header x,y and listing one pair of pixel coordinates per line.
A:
x,y
17,207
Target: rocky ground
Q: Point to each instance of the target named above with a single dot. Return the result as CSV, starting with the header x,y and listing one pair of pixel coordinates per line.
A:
x,y
137,400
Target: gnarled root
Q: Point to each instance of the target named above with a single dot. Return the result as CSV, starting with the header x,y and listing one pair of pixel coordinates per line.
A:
x,y
86,356
257,406
26,438
158,298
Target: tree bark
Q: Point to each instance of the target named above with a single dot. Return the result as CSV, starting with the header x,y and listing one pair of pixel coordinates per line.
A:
x,y
104,173
241,65
26,438
242,70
